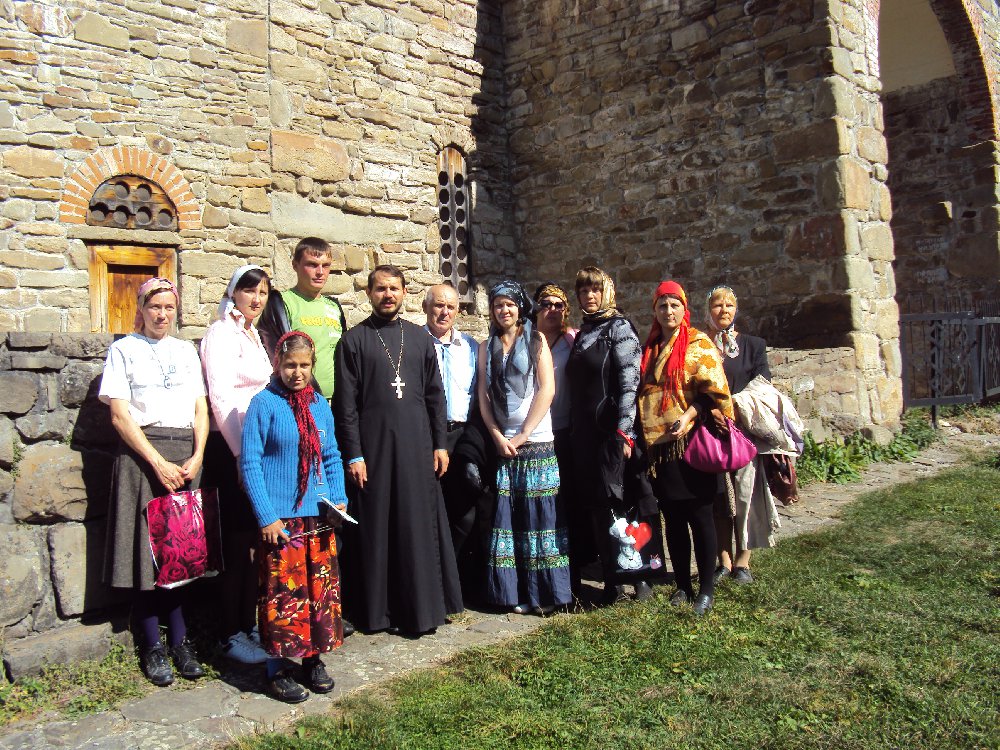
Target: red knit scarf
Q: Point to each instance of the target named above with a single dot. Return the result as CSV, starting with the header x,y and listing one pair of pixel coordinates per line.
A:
x,y
310,448
674,370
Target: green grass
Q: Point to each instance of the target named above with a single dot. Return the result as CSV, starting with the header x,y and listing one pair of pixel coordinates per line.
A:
x,y
841,460
75,689
880,632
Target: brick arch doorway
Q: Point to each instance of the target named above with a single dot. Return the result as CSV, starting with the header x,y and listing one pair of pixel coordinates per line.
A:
x,y
940,128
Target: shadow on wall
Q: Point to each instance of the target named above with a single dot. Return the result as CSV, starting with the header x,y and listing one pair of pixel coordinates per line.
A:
x,y
96,441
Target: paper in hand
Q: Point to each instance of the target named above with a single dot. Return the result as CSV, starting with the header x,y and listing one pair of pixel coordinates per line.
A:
x,y
340,511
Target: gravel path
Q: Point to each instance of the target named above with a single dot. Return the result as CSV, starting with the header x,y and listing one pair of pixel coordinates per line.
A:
x,y
220,710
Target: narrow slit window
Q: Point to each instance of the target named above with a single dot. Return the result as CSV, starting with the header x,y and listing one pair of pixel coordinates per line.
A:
x,y
453,222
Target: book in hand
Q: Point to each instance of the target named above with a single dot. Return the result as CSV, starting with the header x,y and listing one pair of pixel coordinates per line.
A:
x,y
340,511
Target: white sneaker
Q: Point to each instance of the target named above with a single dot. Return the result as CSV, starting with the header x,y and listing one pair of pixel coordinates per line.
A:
x,y
241,648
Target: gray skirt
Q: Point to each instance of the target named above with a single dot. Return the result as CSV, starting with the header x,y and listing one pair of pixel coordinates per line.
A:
x,y
128,560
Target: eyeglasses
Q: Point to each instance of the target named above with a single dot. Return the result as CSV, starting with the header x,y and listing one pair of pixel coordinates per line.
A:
x,y
557,306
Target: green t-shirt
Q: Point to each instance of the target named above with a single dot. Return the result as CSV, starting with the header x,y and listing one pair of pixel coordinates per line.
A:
x,y
322,319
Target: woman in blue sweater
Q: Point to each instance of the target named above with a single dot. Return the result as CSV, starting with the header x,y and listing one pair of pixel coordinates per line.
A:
x,y
292,471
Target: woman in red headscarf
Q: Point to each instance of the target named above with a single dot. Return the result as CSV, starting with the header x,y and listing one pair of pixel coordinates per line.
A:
x,y
682,380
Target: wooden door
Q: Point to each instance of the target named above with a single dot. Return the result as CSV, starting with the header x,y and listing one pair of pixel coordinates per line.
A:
x,y
116,273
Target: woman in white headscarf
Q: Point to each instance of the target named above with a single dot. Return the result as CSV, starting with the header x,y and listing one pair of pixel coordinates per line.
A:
x,y
747,521
236,367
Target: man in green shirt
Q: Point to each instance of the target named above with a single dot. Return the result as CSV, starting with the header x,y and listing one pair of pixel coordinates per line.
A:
x,y
304,308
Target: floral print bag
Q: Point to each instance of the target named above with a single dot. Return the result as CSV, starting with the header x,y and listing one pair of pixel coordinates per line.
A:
x,y
184,536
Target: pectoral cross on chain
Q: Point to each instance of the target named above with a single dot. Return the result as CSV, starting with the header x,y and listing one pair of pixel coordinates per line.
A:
x,y
398,385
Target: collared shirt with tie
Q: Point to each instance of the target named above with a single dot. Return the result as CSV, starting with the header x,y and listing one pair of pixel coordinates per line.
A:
x,y
457,363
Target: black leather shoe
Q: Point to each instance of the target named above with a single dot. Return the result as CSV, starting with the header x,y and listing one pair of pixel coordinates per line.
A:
x,y
742,576
184,659
680,598
720,573
703,604
643,591
348,626
612,595
285,689
319,679
156,666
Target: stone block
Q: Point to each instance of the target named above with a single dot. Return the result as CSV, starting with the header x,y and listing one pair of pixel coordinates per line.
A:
x,y
821,237
53,425
36,361
31,162
7,442
97,29
18,392
24,573
43,319
297,69
256,199
310,156
815,142
298,217
76,555
74,643
209,265
24,340
871,145
50,486
215,218
876,242
93,345
845,183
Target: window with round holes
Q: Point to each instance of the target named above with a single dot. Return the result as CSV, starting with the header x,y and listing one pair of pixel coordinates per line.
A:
x,y
453,222
130,202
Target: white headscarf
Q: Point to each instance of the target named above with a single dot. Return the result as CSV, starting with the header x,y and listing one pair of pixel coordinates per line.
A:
x,y
227,305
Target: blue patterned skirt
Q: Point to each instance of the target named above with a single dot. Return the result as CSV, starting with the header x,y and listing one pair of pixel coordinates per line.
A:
x,y
529,548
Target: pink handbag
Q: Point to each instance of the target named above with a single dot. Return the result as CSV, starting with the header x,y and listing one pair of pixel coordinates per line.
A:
x,y
184,536
715,453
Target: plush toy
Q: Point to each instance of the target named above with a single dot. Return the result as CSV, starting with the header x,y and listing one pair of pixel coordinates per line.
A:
x,y
631,537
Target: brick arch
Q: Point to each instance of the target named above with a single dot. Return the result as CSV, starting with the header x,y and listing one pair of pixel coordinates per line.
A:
x,y
964,28
107,163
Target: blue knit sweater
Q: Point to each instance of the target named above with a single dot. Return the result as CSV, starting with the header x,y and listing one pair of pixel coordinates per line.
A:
x,y
270,458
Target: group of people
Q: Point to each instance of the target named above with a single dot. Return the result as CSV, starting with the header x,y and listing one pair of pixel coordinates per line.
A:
x,y
414,465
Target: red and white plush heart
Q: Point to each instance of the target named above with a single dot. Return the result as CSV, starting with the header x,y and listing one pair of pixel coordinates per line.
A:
x,y
641,532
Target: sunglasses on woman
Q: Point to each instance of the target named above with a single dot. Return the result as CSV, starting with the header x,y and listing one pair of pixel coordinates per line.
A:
x,y
557,306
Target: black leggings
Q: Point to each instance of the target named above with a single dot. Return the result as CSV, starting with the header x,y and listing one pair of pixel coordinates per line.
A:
x,y
694,512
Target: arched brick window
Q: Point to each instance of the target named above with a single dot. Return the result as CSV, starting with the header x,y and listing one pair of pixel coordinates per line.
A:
x,y
131,202
134,203
454,208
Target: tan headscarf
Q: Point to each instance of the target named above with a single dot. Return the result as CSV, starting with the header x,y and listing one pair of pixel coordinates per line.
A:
x,y
608,307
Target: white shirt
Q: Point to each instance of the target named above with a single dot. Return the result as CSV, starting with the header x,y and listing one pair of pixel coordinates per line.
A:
x,y
161,379
518,412
236,368
457,363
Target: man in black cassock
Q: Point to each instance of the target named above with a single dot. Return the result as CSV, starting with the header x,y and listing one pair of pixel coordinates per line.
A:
x,y
391,428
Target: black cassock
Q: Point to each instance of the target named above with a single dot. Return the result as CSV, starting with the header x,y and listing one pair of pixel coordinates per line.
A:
x,y
400,564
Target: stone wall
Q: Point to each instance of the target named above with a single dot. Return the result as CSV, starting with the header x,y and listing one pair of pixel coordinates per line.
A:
x,y
712,142
56,444
946,210
277,120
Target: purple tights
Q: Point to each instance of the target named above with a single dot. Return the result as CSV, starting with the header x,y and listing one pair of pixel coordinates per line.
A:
x,y
150,608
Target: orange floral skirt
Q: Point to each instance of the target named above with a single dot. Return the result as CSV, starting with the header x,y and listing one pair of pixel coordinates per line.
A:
x,y
298,607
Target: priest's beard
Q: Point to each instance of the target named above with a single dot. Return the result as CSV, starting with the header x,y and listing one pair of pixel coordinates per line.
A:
x,y
387,314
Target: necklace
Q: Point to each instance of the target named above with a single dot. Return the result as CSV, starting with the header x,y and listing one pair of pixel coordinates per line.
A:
x,y
171,369
398,382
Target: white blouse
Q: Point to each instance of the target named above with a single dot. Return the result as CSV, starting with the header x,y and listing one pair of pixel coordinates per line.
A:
x,y
161,379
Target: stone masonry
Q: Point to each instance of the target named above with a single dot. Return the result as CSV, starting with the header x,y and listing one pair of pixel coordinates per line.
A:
x,y
746,142
266,123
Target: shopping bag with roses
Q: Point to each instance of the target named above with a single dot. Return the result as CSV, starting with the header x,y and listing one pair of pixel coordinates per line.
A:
x,y
184,536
